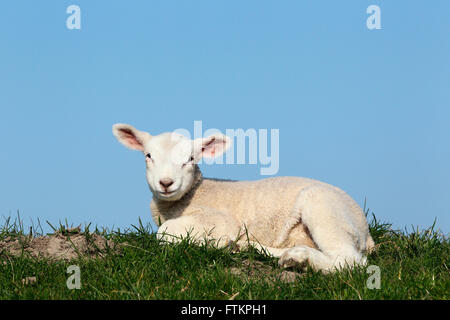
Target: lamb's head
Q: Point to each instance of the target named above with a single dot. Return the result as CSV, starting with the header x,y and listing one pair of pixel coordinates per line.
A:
x,y
171,158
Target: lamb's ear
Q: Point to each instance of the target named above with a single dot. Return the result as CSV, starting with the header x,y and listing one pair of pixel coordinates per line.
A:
x,y
130,137
212,146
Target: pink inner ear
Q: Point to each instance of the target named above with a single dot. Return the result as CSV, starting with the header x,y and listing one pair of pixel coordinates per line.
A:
x,y
213,146
130,139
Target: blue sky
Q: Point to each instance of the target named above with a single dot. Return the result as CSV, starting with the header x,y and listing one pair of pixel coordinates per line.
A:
x,y
365,110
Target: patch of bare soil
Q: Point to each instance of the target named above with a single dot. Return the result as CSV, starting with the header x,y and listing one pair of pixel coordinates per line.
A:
x,y
259,270
61,245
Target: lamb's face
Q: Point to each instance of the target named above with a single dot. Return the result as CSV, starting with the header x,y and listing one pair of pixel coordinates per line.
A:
x,y
170,158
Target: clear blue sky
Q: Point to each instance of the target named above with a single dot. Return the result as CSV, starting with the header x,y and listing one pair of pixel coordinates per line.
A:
x,y
365,110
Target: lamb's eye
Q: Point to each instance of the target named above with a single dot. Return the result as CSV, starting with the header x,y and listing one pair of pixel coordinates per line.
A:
x,y
190,160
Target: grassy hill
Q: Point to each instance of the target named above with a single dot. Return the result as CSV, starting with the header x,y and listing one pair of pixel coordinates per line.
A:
x,y
134,265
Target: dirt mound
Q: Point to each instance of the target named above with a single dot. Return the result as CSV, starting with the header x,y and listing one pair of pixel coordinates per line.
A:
x,y
66,245
257,269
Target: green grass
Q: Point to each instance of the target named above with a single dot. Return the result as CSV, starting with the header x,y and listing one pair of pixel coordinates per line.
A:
x,y
414,265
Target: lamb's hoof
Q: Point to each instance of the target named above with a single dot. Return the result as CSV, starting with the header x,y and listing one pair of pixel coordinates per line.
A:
x,y
287,262
295,257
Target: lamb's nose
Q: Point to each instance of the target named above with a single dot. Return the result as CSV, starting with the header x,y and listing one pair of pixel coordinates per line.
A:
x,y
166,182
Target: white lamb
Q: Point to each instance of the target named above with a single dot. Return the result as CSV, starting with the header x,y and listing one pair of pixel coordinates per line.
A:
x,y
299,220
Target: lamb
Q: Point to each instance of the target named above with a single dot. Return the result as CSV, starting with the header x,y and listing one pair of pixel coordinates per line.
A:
x,y
301,221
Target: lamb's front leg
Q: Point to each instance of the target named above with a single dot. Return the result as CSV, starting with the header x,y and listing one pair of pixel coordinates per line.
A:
x,y
203,224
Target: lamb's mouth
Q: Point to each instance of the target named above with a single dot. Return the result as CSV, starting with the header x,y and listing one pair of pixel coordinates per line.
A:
x,y
167,193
